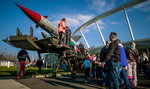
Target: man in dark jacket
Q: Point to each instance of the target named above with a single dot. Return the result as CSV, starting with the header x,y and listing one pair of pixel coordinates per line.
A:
x,y
103,55
39,63
112,59
22,56
104,52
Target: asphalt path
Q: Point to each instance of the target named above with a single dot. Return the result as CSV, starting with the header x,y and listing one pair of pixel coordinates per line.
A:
x,y
68,83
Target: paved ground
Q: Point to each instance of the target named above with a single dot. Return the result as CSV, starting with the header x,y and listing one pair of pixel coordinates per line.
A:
x,y
67,83
58,83
11,84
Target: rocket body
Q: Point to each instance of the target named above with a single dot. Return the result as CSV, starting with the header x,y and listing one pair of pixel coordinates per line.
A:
x,y
47,26
41,21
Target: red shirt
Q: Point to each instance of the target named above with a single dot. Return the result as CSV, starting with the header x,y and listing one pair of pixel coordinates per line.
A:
x,y
61,26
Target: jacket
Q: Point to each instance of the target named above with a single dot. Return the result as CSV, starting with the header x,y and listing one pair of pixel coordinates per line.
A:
x,y
103,53
123,58
61,26
114,52
22,55
132,54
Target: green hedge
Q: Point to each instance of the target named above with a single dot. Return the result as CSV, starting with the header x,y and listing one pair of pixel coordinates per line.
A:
x,y
11,68
12,71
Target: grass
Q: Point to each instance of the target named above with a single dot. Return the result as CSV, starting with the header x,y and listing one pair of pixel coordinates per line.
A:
x,y
12,71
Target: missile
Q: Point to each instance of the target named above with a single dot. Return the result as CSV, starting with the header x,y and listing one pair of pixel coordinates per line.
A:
x,y
44,35
40,21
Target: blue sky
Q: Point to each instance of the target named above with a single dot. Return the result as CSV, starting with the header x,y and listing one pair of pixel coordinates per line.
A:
x,y
77,12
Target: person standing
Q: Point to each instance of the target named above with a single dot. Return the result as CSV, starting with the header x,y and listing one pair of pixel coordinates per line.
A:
x,y
144,58
93,62
133,57
39,63
22,56
78,50
68,35
104,51
82,50
145,62
113,62
87,65
142,62
103,55
98,67
61,30
123,64
130,75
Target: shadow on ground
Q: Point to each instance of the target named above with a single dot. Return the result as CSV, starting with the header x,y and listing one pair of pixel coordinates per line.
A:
x,y
67,82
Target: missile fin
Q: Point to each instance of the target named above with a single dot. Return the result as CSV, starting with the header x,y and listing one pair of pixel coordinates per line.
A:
x,y
44,35
18,33
31,31
37,26
45,16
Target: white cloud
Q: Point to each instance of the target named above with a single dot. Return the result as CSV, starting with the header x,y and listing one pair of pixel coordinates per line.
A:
x,y
114,23
145,6
102,5
101,24
78,19
72,22
105,5
94,27
75,20
86,30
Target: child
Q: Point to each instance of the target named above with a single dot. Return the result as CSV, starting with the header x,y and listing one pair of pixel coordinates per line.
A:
x,y
86,64
129,74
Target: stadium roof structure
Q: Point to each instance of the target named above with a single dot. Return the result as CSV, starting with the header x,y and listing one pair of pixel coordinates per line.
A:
x,y
110,12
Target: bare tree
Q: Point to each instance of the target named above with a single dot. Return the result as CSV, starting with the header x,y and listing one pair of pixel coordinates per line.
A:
x,y
8,57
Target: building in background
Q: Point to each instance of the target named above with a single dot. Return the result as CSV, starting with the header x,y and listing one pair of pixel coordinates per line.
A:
x,y
7,63
51,60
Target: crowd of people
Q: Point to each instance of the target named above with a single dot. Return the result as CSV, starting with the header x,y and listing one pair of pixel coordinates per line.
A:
x,y
114,65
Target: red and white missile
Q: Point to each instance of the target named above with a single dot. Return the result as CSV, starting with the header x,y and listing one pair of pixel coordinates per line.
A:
x,y
41,21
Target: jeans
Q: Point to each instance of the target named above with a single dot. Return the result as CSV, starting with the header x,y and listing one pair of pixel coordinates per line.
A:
x,y
113,74
123,75
104,76
94,72
67,40
61,37
87,73
105,72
